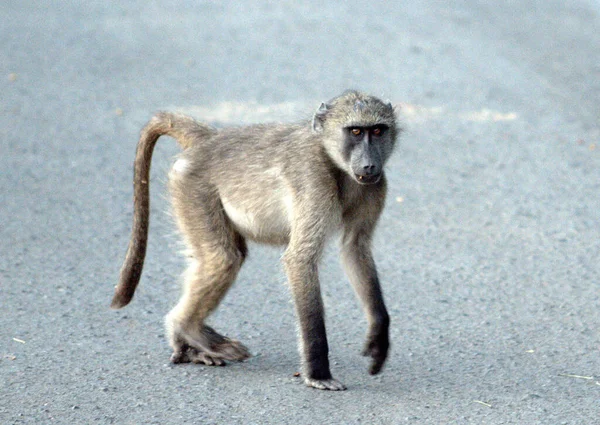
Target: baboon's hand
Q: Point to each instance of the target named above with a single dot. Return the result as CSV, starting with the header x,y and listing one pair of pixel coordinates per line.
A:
x,y
325,384
376,347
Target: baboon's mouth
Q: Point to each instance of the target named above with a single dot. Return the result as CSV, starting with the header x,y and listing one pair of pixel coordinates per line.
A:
x,y
367,179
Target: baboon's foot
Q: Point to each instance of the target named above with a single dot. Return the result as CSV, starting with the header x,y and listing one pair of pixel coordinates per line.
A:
x,y
191,355
206,346
325,384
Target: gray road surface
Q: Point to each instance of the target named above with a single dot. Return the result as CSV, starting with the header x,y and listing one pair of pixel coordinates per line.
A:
x,y
488,249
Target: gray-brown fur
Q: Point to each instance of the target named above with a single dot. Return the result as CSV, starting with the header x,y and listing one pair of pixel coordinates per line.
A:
x,y
294,185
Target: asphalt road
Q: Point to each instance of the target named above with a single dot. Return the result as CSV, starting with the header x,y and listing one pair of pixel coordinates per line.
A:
x,y
488,249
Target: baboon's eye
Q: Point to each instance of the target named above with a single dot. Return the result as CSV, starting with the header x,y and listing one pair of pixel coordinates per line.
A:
x,y
356,131
377,131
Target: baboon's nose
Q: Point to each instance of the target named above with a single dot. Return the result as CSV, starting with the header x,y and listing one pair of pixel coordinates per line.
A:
x,y
370,170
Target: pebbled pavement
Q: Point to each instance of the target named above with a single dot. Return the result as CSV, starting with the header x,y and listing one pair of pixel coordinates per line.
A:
x,y
488,249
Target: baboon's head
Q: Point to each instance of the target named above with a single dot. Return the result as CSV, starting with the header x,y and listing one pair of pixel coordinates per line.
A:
x,y
359,133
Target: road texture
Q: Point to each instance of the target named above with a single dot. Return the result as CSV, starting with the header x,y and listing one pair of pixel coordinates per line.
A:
x,y
488,249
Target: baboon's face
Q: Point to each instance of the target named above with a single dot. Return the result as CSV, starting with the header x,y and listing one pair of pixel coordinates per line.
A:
x,y
363,151
359,134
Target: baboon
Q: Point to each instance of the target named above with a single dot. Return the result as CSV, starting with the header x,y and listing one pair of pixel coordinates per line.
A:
x,y
284,184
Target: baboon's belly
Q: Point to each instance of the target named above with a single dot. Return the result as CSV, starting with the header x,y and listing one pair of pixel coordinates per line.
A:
x,y
261,215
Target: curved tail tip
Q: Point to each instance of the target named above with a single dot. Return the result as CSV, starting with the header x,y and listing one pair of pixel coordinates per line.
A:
x,y
119,301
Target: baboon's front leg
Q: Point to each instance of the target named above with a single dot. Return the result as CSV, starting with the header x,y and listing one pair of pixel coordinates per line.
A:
x,y
304,283
360,267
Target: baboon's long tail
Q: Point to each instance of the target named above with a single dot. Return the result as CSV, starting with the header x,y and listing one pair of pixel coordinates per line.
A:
x,y
185,130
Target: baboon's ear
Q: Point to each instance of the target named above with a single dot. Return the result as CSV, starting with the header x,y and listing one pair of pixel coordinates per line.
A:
x,y
394,107
319,118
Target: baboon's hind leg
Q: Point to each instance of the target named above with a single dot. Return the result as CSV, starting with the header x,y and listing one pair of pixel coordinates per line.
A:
x,y
218,252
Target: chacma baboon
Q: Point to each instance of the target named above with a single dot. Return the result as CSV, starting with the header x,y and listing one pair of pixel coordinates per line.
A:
x,y
290,184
